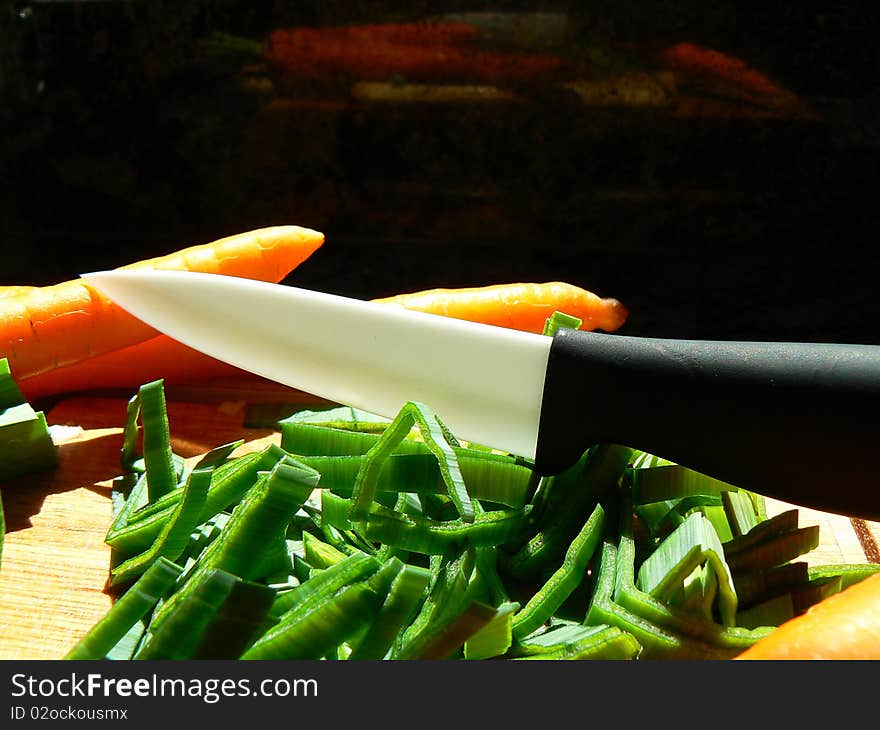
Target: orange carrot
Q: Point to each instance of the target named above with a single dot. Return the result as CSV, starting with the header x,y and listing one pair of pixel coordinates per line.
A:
x,y
55,326
713,65
130,367
294,54
519,306
414,33
843,626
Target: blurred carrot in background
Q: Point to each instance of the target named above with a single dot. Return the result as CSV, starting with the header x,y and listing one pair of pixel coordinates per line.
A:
x,y
707,65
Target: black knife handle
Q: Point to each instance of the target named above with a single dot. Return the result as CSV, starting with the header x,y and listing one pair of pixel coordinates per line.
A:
x,y
796,421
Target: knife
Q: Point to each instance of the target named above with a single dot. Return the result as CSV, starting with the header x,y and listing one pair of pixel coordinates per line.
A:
x,y
794,421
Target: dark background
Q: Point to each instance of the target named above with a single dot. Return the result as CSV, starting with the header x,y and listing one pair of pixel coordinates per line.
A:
x,y
122,139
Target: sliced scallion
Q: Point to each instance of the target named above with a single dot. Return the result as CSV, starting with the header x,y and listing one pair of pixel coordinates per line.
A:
x,y
544,603
693,543
131,607
435,436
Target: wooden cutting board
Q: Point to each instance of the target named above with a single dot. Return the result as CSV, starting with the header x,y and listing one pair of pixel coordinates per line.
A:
x,y
55,563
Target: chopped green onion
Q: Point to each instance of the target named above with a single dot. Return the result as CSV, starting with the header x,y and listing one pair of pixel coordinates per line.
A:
x,y
436,437
453,633
25,441
320,554
351,419
775,550
493,479
693,543
263,513
740,512
130,608
543,604
771,612
187,620
692,634
350,569
496,637
388,539
433,537
130,432
138,524
174,537
237,623
400,607
314,628
814,591
758,586
580,642
671,481
560,320
776,525
566,499
849,573
158,458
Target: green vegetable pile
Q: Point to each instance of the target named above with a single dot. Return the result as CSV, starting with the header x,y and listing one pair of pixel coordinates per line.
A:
x,y
361,537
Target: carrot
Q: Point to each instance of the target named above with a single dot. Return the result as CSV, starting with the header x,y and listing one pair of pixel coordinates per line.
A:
x,y
414,33
129,367
843,626
294,55
59,325
716,66
520,306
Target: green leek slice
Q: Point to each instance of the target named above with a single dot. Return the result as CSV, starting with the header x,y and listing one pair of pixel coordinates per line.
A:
x,y
350,569
757,586
740,511
237,623
496,637
318,553
400,607
161,470
433,537
171,542
132,606
263,513
543,604
559,320
314,628
693,543
136,527
496,480
671,481
26,444
567,498
775,549
452,632
849,573
436,437
721,642
772,613
188,619
580,642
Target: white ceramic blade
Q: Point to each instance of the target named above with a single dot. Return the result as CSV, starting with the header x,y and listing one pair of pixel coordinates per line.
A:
x,y
486,383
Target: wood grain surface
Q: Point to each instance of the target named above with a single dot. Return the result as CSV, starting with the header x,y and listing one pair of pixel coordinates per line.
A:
x,y
55,563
